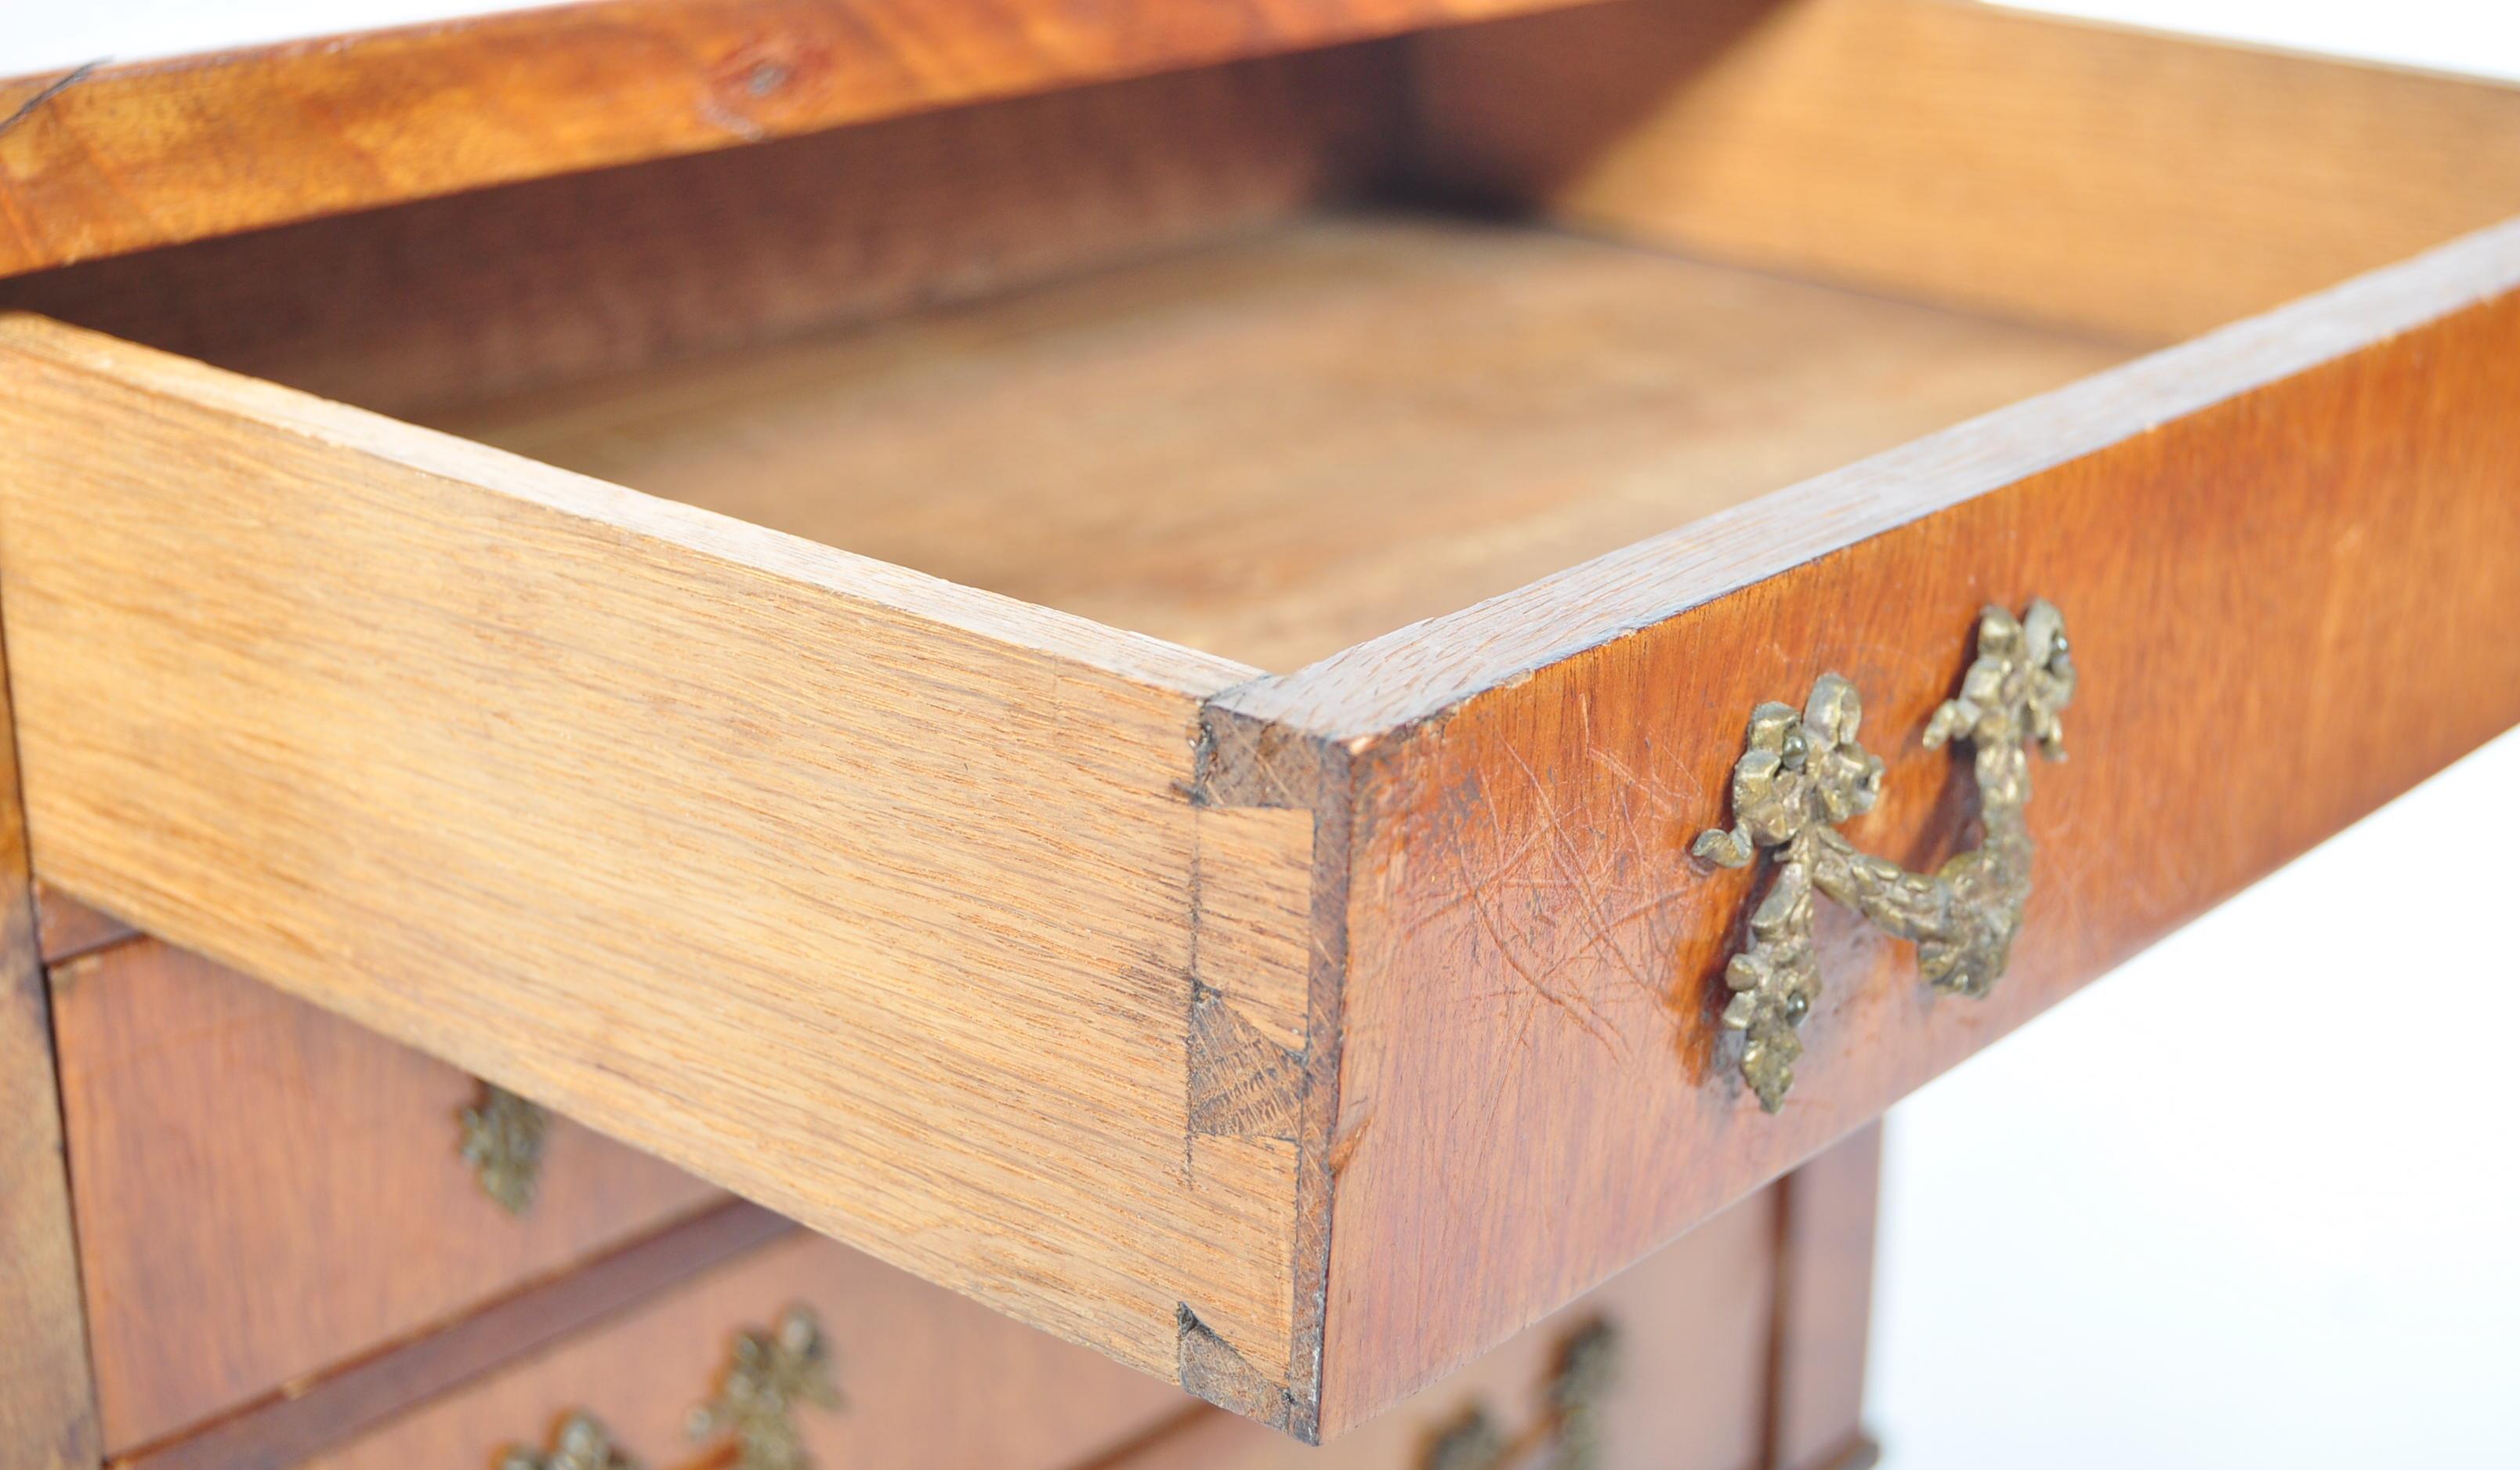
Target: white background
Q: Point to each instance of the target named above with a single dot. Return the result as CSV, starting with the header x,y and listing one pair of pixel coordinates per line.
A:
x,y
2252,1201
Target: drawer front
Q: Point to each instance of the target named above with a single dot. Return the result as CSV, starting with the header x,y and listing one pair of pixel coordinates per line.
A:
x,y
925,1380
2285,553
1667,1368
263,1190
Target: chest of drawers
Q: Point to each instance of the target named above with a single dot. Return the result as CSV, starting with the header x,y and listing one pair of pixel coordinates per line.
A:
x,y
1193,676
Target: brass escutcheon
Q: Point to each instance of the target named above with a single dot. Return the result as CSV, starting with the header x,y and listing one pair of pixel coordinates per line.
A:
x,y
770,1374
503,1142
1569,1426
581,1443
1803,774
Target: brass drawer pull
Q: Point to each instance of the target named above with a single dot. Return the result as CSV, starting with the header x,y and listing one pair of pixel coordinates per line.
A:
x,y
1803,774
769,1374
1586,1369
503,1142
581,1443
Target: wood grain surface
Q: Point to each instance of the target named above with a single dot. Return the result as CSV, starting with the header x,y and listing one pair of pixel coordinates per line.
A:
x,y
932,1382
266,1189
346,1401
1296,1037
2120,180
2287,555
47,1400
1694,1322
1274,448
116,158
65,928
1827,1216
483,293
864,895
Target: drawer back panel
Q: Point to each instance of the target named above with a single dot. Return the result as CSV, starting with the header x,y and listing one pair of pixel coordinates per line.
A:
x,y
446,301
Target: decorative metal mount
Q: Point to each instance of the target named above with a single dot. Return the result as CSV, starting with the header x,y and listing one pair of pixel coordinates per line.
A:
x,y
503,1142
768,1376
1804,773
581,1443
1586,1369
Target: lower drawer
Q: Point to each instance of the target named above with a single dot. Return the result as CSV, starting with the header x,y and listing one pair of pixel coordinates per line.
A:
x,y
1670,1365
922,1379
1667,1366
235,1242
263,1190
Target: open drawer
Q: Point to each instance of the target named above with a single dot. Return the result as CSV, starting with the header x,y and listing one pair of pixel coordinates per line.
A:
x,y
1170,800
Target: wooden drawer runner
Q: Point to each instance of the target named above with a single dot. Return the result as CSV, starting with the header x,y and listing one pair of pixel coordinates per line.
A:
x,y
1220,887
263,1190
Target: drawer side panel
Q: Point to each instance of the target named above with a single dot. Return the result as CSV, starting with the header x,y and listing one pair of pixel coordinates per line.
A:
x,y
2144,185
865,895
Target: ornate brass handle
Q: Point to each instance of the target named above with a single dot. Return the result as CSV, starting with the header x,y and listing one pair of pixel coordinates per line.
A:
x,y
1586,1369
581,1443
503,1142
1803,774
768,1375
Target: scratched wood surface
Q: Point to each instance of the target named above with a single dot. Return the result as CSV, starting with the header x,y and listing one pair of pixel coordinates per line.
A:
x,y
2288,555
2126,181
47,1400
909,909
1277,447
868,897
265,1190
487,293
118,158
932,1382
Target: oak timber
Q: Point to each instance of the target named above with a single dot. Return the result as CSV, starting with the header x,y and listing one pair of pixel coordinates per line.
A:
x,y
893,904
67,929
228,1139
1693,1319
932,1382
864,895
1274,448
1826,1217
328,1409
47,1400
2287,553
2135,183
485,293
119,157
